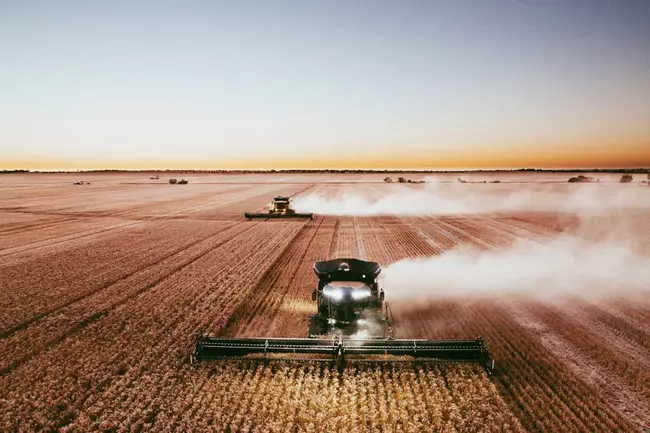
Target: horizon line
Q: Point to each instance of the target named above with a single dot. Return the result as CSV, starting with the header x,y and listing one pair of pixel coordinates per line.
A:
x,y
338,170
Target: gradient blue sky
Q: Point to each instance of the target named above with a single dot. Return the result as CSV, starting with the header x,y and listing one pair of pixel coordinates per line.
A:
x,y
263,84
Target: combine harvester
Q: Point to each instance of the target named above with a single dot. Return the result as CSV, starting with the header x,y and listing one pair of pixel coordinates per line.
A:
x,y
352,323
280,208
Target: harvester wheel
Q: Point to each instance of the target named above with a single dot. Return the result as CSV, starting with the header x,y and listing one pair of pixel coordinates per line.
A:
x,y
315,327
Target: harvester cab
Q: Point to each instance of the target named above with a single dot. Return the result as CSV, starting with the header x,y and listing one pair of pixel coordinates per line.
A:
x,y
281,207
350,302
352,322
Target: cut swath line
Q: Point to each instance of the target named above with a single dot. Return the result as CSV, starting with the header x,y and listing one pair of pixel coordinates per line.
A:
x,y
361,251
333,250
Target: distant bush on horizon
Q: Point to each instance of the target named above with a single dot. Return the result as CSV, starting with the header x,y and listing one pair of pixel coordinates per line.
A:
x,y
582,179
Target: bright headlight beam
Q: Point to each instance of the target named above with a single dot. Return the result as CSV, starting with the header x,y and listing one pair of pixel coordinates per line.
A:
x,y
360,294
336,294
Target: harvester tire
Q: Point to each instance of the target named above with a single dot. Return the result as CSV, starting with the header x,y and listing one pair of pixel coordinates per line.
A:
x,y
315,326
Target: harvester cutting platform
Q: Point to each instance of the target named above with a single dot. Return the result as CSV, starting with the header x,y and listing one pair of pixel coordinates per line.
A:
x,y
352,323
281,207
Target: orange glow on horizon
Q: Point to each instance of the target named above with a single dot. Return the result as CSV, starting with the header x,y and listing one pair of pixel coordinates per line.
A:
x,y
602,155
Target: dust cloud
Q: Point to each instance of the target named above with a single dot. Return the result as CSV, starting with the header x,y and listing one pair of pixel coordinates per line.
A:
x,y
544,271
455,199
600,258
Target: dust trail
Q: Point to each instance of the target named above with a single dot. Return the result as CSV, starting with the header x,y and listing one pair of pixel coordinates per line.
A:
x,y
448,199
548,271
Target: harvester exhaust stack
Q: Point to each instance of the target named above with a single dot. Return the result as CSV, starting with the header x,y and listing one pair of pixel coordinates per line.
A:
x,y
281,207
353,323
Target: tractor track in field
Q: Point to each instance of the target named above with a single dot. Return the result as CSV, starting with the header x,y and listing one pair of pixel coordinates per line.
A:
x,y
6,333
383,245
52,195
126,213
533,371
634,344
524,370
35,285
619,357
630,313
180,318
361,250
99,314
447,234
272,293
415,242
99,232
242,194
36,225
533,229
103,231
586,366
436,247
631,333
468,229
446,238
272,289
513,232
333,250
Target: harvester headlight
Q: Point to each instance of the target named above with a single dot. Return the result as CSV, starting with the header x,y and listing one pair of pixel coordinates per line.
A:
x,y
333,292
360,294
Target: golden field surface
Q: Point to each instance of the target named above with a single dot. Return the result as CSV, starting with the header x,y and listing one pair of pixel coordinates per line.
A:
x,y
104,287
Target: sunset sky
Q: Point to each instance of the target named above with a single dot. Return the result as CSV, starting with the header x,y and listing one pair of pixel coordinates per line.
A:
x,y
324,84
